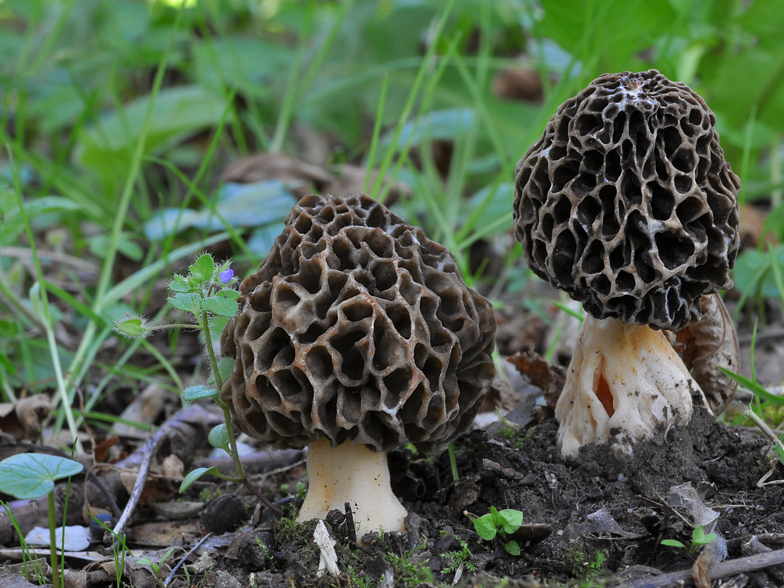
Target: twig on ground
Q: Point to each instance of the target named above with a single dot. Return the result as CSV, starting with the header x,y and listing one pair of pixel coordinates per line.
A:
x,y
170,577
751,563
150,449
256,463
190,423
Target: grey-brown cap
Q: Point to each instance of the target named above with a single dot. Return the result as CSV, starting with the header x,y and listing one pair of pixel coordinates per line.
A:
x,y
626,201
357,327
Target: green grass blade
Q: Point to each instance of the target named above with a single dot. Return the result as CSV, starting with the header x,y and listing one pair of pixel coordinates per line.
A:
x,y
46,319
777,275
753,387
371,158
418,81
127,193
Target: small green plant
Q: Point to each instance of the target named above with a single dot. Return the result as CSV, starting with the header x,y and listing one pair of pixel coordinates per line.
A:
x,y
30,476
698,539
520,441
411,573
156,566
502,523
206,294
359,579
35,563
456,558
586,562
267,553
119,549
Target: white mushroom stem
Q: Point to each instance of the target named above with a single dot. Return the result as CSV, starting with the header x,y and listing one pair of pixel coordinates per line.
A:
x,y
351,473
625,382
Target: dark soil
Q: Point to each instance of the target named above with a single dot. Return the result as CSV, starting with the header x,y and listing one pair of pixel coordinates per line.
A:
x,y
524,470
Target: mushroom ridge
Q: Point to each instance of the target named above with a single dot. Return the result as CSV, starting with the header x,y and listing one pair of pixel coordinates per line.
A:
x,y
357,327
626,201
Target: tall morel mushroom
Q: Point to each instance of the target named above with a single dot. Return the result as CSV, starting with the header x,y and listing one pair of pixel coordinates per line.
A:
x,y
627,204
355,336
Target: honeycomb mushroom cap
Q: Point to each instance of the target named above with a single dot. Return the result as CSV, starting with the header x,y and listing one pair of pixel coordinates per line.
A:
x,y
357,327
626,201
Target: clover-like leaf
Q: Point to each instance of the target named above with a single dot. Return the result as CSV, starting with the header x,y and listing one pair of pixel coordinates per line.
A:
x,y
220,305
186,302
197,393
485,526
195,475
203,268
29,476
699,537
510,520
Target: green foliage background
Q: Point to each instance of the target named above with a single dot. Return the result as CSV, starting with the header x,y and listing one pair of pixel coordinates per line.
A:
x,y
117,118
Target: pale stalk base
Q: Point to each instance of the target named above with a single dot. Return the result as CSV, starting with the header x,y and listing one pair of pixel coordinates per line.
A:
x,y
351,473
625,382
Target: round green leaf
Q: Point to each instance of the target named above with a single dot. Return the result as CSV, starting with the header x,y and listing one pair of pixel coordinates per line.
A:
x,y
186,302
220,305
512,548
180,284
219,437
229,293
485,526
195,475
203,268
28,476
511,520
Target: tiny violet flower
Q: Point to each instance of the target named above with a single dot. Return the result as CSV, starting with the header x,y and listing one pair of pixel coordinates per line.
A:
x,y
226,276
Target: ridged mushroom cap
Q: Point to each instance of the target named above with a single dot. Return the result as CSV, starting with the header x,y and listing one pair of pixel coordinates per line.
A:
x,y
626,202
357,327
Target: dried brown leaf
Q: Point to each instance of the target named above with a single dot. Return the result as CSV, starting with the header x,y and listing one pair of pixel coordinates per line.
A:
x,y
345,180
541,374
22,419
700,571
707,345
103,447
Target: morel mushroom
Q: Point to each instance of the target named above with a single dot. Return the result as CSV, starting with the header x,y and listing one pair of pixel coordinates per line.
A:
x,y
355,336
627,204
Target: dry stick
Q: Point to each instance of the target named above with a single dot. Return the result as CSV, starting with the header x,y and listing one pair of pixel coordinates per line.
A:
x,y
150,448
170,577
751,563
260,462
190,422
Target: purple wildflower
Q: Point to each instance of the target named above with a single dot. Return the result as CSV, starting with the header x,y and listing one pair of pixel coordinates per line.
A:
x,y
226,276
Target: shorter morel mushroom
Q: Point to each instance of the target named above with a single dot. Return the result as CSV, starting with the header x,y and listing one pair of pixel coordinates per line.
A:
x,y
627,204
355,336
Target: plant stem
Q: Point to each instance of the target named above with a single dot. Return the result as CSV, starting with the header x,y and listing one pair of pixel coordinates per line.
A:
x,y
235,456
52,544
174,326
453,462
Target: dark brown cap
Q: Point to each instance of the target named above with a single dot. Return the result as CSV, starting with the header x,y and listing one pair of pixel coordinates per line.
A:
x,y
357,327
626,202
